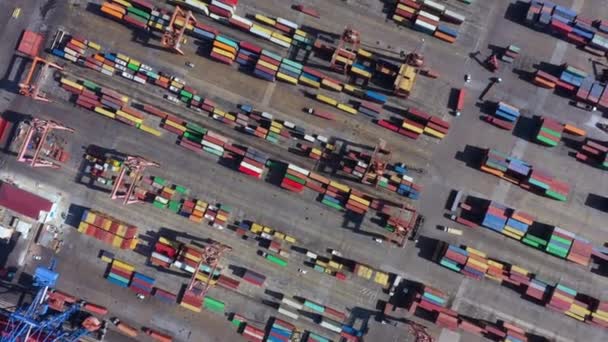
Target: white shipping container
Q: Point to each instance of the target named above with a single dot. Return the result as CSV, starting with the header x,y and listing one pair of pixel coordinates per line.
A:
x,y
212,145
70,51
262,34
426,26
325,324
287,313
74,59
120,67
127,75
280,42
121,62
407,178
177,264
251,167
428,15
298,169
434,6
292,303
287,23
322,138
224,6
266,115
161,257
289,125
242,20
198,5
311,255
358,174
456,17
139,80
309,137
173,89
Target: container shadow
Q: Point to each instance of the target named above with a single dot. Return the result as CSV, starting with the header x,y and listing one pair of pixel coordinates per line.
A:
x,y
526,127
597,202
471,156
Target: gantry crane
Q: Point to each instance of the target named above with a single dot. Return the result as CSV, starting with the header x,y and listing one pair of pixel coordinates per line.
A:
x,y
34,323
41,128
210,256
346,52
172,37
377,164
135,165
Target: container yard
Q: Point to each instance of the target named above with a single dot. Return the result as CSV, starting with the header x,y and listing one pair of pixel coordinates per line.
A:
x,y
265,170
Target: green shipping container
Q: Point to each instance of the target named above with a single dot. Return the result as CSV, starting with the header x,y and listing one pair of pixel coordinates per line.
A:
x,y
196,128
276,260
133,67
91,85
555,195
186,94
138,12
295,179
314,306
536,239
446,263
226,207
212,304
175,206
332,205
159,205
138,18
160,181
552,132
181,189
213,151
319,268
531,243
538,183
546,141
561,239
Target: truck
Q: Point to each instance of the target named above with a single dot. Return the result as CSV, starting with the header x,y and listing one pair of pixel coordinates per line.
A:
x,y
124,328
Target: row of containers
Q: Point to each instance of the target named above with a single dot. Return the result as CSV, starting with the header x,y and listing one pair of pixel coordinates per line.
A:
x,y
524,174
582,86
175,199
569,25
107,229
228,50
523,227
429,17
433,304
415,123
477,265
277,330
594,153
106,102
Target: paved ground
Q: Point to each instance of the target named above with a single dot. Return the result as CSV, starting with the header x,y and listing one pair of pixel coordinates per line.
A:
x,y
315,226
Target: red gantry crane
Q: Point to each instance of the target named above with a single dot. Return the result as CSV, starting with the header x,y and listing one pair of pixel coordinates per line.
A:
x,y
29,46
210,256
346,52
377,164
173,35
38,132
135,165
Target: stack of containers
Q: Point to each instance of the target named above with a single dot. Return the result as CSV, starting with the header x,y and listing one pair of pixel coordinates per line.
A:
x,y
142,284
267,65
593,152
599,316
560,242
446,33
361,70
313,337
223,8
436,127
573,76
433,300
280,331
535,239
369,109
213,305
405,12
203,31
214,143
357,202
602,25
120,273
311,77
331,324
495,217
496,271
335,195
537,289
289,71
507,113
454,258
426,22
580,251
253,334
562,298
253,163
550,131
224,49
584,89
511,52
138,14
165,295
222,215
517,225
545,80
476,265
518,276
404,82
249,53
254,277
108,229
295,178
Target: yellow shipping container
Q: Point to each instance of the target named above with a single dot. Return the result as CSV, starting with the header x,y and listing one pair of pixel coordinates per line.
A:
x,y
109,68
331,85
477,263
261,29
117,241
94,46
335,265
364,271
218,111
360,200
433,133
496,264
326,99
321,263
82,227
256,228
129,116
519,270
268,230
224,53
71,83
283,77
268,65
301,33
105,112
339,186
177,84
412,128
476,252
123,265
175,125
381,278
150,130
290,239
105,225
281,37
279,235
575,316
347,108
511,235
134,243
309,82
190,307
275,130
91,216
264,19
230,117
364,53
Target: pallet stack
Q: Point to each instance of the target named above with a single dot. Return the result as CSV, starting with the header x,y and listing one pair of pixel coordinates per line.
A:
x,y
550,132
120,273
108,229
224,49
